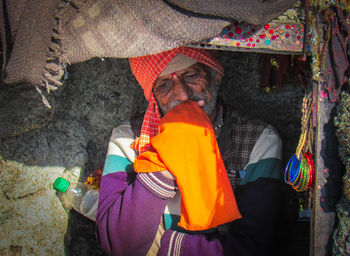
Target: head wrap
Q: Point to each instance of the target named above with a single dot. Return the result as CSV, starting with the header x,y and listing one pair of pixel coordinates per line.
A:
x,y
179,62
146,70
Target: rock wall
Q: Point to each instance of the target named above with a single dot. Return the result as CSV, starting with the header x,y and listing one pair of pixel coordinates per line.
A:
x,y
341,233
70,140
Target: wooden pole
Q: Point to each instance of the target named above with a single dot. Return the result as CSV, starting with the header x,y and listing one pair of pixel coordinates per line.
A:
x,y
328,169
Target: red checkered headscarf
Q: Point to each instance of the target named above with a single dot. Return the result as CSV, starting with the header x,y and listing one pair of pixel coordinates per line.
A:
x,y
146,69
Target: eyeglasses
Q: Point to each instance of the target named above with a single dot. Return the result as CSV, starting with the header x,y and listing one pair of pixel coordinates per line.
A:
x,y
189,77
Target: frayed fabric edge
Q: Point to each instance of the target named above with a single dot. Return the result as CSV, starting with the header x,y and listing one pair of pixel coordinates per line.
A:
x,y
56,61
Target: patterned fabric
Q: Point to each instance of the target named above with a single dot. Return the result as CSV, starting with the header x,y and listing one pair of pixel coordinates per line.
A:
x,y
146,70
237,140
336,63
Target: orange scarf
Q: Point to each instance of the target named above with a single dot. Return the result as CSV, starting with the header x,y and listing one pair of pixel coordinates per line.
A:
x,y
187,147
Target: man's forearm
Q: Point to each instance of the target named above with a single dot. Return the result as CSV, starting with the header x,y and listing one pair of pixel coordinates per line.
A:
x,y
128,216
259,203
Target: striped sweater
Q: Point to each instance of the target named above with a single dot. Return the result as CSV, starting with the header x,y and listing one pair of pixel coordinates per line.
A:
x,y
138,213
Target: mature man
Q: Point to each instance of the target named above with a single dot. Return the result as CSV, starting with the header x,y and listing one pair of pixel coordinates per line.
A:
x,y
162,189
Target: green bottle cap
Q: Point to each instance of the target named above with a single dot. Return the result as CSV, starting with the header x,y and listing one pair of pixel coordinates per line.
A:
x,y
61,184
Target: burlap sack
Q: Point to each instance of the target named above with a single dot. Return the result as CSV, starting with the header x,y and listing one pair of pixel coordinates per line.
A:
x,y
40,37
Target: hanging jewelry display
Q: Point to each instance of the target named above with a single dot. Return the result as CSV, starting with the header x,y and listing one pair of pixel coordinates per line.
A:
x,y
300,170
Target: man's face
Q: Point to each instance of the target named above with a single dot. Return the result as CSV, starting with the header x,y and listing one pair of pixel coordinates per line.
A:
x,y
192,83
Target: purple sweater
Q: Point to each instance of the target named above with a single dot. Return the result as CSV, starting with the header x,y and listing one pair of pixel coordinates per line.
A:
x,y
131,206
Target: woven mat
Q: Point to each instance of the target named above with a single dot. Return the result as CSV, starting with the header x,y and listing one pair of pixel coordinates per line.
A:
x,y
39,37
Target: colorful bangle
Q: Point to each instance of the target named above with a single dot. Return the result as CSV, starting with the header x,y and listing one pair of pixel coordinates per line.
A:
x,y
299,173
312,169
304,177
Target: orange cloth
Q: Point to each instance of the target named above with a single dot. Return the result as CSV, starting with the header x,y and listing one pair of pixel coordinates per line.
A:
x,y
187,147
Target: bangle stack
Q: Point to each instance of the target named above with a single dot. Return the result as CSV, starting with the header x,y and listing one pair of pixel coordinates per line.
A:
x,y
300,173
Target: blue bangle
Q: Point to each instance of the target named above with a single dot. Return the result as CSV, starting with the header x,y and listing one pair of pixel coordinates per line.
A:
x,y
286,171
294,169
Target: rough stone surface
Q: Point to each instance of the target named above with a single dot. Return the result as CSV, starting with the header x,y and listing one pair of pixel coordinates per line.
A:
x,y
17,119
341,234
72,139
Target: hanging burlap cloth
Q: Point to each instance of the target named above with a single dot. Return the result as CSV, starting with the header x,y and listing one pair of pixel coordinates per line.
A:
x,y
39,37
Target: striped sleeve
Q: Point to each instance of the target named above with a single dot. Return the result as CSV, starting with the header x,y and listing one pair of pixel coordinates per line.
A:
x,y
172,243
119,155
177,243
120,158
129,211
265,159
158,184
